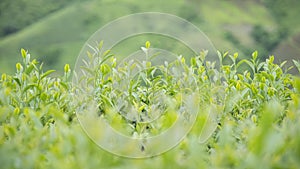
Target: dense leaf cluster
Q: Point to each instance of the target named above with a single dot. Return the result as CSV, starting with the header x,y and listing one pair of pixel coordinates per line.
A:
x,y
249,113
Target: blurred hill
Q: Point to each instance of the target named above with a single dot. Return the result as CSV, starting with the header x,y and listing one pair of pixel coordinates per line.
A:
x,y
54,31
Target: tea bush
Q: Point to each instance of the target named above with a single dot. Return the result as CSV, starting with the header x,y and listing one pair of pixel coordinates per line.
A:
x,y
254,121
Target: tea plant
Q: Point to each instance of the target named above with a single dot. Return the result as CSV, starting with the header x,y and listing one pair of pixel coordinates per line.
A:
x,y
251,107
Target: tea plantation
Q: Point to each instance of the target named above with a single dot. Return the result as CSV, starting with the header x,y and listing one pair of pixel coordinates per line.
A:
x,y
249,113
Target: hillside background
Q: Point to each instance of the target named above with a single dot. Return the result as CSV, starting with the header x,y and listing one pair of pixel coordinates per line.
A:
x,y
54,31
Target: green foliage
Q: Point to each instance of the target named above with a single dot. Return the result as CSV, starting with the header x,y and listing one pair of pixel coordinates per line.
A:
x,y
268,40
55,45
257,111
284,13
24,13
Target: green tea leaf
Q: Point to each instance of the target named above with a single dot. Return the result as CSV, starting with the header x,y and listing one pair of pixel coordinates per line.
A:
x,y
47,73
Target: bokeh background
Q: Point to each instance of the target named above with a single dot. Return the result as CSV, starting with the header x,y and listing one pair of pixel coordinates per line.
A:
x,y
54,31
